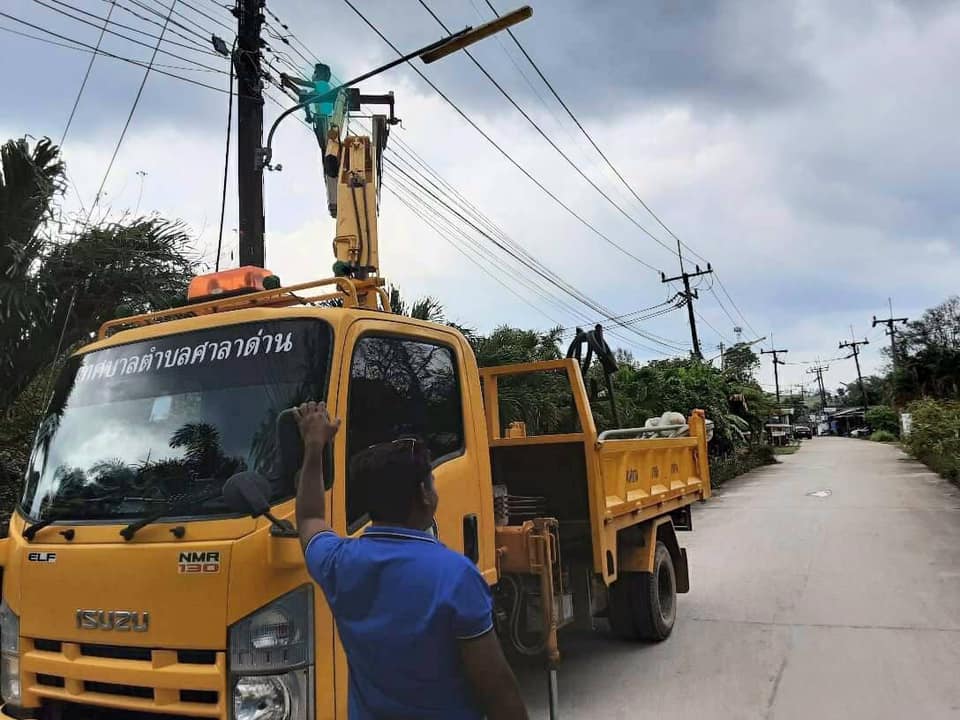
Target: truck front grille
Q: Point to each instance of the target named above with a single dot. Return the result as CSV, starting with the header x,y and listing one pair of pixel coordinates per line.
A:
x,y
124,679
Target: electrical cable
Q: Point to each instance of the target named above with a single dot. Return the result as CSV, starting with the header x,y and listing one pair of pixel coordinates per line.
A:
x,y
590,138
196,35
125,37
88,48
549,140
193,47
126,124
226,164
533,264
409,205
205,36
86,76
732,302
499,149
186,4
722,306
530,264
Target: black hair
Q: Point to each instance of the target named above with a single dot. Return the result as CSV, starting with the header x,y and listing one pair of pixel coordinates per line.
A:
x,y
388,477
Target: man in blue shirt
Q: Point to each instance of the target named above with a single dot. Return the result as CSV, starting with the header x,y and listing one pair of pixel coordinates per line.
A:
x,y
415,618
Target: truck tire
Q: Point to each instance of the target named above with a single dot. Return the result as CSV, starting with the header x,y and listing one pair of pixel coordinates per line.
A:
x,y
656,610
643,606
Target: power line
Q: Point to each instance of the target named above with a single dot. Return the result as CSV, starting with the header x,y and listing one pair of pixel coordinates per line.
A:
x,y
126,37
226,165
205,36
89,48
193,47
524,258
549,140
195,34
445,188
590,138
503,152
735,307
126,124
86,76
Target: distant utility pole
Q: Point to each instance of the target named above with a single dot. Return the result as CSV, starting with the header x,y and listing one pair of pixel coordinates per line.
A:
x,y
855,349
246,60
776,375
690,295
801,389
890,322
721,348
819,370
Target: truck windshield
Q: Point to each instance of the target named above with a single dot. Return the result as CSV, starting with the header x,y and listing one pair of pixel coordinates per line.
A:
x,y
131,427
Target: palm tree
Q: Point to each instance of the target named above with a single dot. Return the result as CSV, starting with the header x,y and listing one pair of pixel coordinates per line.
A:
x,y
30,180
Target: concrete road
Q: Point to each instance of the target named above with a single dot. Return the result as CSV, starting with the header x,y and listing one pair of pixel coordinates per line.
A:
x,y
842,605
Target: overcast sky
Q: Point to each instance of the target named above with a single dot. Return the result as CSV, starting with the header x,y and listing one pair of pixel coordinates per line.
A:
x,y
807,149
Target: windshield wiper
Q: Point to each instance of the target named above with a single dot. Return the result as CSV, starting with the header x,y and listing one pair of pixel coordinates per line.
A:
x,y
174,505
31,530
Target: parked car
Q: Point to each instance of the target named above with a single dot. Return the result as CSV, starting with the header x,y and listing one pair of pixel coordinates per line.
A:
x,y
802,431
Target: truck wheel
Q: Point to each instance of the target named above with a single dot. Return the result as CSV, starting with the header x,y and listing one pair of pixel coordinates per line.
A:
x,y
656,593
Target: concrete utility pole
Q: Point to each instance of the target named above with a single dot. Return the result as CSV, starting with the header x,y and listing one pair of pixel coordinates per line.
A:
x,y
246,60
819,370
776,375
890,322
721,348
855,349
690,295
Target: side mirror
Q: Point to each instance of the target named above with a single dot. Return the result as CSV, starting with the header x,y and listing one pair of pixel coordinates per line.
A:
x,y
247,492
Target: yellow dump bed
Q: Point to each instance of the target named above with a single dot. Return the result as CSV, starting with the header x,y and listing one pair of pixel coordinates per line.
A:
x,y
595,484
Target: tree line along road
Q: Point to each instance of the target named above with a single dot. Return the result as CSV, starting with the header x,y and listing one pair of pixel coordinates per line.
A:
x,y
827,586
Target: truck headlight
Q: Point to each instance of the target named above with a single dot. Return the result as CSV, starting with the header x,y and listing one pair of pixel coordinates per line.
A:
x,y
271,660
9,655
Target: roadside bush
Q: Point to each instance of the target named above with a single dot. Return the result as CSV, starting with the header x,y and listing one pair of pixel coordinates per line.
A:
x,y
883,436
934,437
883,418
727,467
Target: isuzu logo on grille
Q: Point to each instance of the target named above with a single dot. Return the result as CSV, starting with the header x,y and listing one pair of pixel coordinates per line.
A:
x,y
120,620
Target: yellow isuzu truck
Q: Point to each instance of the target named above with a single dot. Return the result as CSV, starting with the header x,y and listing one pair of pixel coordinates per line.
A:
x,y
133,589
133,586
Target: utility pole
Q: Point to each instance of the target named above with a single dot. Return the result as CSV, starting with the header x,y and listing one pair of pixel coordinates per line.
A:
x,y
246,60
890,322
690,295
855,349
721,348
776,375
819,370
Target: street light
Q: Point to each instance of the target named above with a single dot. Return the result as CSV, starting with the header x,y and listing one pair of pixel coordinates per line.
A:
x,y
428,54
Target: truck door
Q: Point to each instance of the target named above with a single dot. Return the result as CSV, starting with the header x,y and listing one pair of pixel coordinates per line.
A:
x,y
401,379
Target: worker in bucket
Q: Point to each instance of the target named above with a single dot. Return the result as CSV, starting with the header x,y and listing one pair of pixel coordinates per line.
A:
x,y
415,618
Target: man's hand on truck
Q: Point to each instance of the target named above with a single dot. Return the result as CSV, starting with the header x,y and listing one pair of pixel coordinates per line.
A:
x,y
317,429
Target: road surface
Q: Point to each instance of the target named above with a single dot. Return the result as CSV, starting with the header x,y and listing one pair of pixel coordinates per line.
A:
x,y
843,604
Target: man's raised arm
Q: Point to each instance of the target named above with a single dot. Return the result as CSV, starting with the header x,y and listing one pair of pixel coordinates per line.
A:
x,y
317,430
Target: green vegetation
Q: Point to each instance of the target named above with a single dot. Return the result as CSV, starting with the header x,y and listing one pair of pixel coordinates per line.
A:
x,y
60,281
883,418
883,436
934,437
785,449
